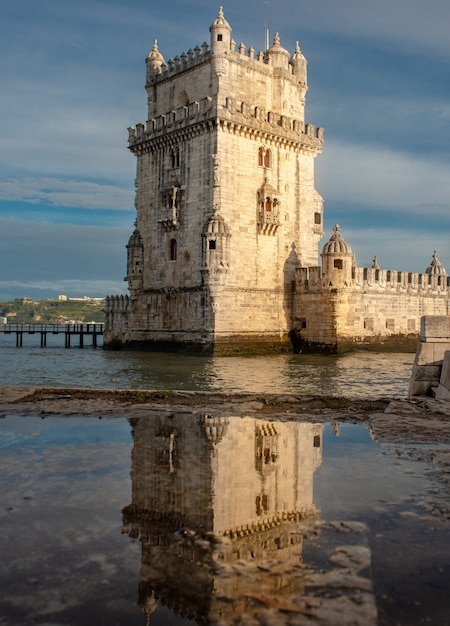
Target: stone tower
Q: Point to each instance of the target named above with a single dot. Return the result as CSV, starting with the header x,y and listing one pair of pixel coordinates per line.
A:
x,y
225,198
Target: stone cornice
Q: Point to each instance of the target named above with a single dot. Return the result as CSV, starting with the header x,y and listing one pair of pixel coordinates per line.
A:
x,y
239,118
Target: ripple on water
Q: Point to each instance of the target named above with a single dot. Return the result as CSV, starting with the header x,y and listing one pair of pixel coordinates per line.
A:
x,y
360,374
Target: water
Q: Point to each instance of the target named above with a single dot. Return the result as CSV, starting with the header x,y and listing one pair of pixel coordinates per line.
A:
x,y
94,513
111,521
360,374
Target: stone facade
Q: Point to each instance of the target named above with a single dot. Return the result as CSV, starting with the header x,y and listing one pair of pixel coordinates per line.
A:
x,y
340,305
225,249
225,199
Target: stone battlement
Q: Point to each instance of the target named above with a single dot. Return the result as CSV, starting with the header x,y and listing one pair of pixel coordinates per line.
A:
x,y
252,116
367,278
203,54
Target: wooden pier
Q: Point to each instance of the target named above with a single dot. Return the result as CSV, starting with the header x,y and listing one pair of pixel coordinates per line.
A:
x,y
68,330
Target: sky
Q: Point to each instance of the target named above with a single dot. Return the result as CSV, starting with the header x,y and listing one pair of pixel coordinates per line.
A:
x,y
72,80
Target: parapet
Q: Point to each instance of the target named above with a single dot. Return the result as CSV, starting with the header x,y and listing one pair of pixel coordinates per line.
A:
x,y
203,54
232,112
394,280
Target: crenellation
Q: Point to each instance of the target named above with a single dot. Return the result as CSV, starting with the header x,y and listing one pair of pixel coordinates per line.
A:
x,y
254,115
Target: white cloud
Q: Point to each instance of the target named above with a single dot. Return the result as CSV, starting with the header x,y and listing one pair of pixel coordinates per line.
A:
x,y
397,249
364,174
411,23
66,193
59,258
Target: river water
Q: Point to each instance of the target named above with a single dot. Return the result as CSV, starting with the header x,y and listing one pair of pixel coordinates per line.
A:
x,y
182,519
359,374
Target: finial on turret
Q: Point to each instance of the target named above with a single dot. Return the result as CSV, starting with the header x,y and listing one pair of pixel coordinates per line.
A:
x,y
436,266
375,264
155,59
299,63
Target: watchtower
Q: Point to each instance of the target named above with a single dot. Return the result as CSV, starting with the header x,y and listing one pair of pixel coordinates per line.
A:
x,y
225,199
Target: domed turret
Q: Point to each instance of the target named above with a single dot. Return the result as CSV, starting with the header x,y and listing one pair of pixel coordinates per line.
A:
x,y
436,268
220,34
336,244
299,64
337,259
135,261
154,62
216,236
277,55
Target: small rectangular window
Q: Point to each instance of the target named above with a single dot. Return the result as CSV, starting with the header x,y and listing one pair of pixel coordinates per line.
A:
x,y
219,37
338,264
368,324
317,218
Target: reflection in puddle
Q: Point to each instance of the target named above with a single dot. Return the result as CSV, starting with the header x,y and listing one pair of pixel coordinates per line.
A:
x,y
221,508
226,521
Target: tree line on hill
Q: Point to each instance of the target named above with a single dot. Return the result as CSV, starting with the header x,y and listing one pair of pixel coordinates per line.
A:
x,y
28,311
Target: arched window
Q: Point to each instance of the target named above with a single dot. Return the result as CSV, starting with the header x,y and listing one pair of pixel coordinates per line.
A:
x,y
261,157
173,249
268,204
175,156
267,158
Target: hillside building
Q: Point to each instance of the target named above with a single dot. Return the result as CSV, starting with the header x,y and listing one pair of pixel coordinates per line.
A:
x,y
224,255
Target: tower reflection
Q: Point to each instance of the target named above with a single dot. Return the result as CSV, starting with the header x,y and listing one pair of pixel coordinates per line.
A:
x,y
219,506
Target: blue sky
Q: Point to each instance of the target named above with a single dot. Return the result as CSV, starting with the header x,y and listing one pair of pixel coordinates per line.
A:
x,y
72,81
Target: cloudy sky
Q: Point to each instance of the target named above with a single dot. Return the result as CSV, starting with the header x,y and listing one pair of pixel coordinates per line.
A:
x,y
72,80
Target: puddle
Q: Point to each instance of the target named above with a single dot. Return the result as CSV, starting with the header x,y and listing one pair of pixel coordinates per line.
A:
x,y
178,519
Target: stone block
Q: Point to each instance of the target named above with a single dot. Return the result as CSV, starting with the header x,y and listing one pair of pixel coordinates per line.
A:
x,y
426,372
418,387
434,327
429,353
442,393
445,372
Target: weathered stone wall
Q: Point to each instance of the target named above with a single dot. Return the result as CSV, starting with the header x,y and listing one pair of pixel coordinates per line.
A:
x,y
431,351
371,306
225,169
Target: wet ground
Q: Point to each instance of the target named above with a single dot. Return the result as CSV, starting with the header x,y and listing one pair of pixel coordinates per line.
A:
x,y
178,508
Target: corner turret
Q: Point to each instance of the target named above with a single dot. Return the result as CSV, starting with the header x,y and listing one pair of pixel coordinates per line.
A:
x,y
220,44
337,260
277,56
220,34
299,64
154,62
135,262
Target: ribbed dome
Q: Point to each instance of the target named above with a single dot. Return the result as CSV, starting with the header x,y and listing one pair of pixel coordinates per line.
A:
x,y
278,54
135,241
216,225
155,58
436,267
336,244
299,63
220,21
297,56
